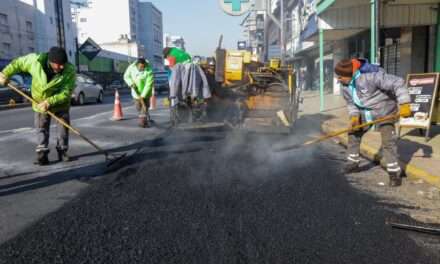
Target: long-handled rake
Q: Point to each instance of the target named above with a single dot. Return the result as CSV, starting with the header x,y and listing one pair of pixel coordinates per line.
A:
x,y
111,159
334,134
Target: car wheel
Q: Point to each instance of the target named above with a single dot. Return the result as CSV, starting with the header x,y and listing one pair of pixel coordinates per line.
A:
x,y
100,98
81,99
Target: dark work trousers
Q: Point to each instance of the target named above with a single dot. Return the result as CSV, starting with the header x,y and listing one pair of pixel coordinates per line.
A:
x,y
42,125
388,149
142,113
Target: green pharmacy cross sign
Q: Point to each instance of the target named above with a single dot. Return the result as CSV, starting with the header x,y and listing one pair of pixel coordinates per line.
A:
x,y
235,7
236,4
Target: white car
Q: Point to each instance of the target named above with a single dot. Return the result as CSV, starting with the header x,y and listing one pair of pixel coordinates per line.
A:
x,y
87,90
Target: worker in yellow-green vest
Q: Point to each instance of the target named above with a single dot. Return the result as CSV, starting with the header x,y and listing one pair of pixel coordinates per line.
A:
x,y
139,77
53,82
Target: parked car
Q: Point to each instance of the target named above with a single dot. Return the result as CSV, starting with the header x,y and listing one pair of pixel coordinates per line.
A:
x,y
117,84
6,94
161,83
87,90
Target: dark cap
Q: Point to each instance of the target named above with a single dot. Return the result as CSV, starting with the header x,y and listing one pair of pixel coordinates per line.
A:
x,y
141,61
344,68
57,55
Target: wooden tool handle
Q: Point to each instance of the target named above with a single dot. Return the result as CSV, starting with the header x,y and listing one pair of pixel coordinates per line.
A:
x,y
60,120
337,133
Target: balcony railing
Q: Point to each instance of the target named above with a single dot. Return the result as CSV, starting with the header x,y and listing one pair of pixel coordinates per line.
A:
x,y
4,28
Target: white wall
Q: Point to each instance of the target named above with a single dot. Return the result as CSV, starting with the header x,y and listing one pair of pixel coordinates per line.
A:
x,y
104,22
41,35
140,21
128,49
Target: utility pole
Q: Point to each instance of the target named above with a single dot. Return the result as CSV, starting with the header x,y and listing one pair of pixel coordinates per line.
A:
x,y
279,23
283,38
76,5
378,3
374,31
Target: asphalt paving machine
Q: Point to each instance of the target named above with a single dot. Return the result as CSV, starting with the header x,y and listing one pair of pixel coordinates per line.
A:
x,y
266,95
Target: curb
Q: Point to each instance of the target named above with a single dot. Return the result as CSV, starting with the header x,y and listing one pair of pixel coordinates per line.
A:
x,y
411,171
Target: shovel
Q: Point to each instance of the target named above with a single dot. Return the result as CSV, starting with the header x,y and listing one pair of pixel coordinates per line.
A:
x,y
144,107
334,134
110,159
415,228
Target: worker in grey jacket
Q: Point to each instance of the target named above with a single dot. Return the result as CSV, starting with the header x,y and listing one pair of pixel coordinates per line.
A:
x,y
371,94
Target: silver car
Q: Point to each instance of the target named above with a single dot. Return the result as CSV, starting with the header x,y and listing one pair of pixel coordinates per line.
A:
x,y
87,90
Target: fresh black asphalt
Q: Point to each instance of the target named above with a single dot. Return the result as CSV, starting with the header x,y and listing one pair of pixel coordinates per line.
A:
x,y
220,197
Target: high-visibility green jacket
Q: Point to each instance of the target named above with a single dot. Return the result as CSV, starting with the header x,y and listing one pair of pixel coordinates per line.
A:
x,y
57,92
180,55
143,81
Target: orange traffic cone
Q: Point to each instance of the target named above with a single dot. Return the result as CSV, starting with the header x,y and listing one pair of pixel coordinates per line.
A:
x,y
117,112
153,102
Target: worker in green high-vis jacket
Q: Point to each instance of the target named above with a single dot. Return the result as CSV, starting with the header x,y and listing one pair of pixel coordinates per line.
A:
x,y
175,56
53,82
139,77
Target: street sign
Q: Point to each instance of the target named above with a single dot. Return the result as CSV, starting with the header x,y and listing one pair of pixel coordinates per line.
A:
x,y
241,45
423,92
235,7
90,49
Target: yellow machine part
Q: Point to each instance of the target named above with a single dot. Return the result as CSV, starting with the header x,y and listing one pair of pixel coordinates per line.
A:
x,y
275,64
234,66
264,102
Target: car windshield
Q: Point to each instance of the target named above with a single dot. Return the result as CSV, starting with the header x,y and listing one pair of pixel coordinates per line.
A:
x,y
80,78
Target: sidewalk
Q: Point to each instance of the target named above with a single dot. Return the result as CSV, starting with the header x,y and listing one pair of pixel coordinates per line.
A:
x,y
420,159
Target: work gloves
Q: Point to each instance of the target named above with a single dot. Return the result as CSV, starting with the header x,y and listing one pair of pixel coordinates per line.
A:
x,y
3,79
405,110
43,106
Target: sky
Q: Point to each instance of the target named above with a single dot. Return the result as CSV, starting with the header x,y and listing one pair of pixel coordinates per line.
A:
x,y
200,23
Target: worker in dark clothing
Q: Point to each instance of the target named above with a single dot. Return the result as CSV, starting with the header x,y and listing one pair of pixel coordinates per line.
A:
x,y
371,94
53,82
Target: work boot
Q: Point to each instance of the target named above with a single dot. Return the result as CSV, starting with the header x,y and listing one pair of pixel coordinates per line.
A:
x,y
395,179
42,158
142,122
62,155
149,121
351,167
147,124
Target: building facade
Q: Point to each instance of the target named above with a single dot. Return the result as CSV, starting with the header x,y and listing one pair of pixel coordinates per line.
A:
x,y
402,36
150,33
174,41
137,22
35,26
253,33
399,35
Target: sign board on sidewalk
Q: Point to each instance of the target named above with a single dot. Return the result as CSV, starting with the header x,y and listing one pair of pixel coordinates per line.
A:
x,y
423,90
90,49
235,7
